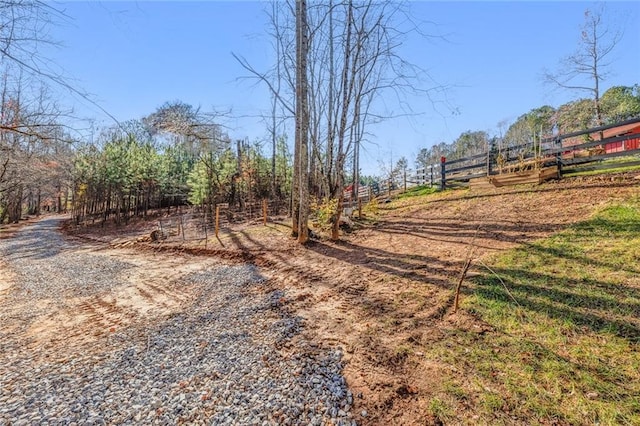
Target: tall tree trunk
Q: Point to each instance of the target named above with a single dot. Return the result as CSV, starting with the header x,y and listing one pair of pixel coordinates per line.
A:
x,y
59,198
274,142
302,121
39,201
295,181
330,107
346,85
356,166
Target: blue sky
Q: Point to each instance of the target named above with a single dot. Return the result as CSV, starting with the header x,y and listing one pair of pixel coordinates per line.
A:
x,y
134,56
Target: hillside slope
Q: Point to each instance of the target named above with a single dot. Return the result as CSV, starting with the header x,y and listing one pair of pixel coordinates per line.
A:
x,y
384,294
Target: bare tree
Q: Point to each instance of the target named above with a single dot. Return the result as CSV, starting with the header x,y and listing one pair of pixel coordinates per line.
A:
x,y
352,60
33,140
24,29
33,161
587,68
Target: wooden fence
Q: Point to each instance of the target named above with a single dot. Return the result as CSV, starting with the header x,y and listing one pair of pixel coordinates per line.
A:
x,y
567,152
429,175
365,193
203,223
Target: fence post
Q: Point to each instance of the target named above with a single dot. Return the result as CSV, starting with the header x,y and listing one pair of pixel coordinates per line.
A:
x,y
443,181
405,180
264,211
559,163
359,208
217,220
431,173
204,226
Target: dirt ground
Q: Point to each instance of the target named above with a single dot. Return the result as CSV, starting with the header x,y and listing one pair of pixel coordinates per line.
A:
x,y
74,323
386,289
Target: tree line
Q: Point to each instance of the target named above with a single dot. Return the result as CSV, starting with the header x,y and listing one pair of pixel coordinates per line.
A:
x,y
175,156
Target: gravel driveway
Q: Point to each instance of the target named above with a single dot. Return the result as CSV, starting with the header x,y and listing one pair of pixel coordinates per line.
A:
x,y
101,336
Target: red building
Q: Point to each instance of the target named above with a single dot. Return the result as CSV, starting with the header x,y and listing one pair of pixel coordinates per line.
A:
x,y
627,145
623,130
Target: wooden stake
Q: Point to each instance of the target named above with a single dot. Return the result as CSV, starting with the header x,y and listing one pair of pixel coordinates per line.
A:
x,y
264,212
459,286
217,220
405,180
204,226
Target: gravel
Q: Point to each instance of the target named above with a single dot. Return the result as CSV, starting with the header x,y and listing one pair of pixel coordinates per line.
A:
x,y
227,359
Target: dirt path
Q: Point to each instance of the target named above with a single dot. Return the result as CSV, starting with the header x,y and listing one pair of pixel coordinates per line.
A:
x,y
73,294
96,335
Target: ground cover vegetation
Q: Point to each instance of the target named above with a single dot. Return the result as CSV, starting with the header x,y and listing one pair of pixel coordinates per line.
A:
x,y
564,332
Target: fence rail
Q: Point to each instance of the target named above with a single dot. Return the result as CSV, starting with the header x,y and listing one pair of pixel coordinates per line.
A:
x,y
202,223
550,152
429,175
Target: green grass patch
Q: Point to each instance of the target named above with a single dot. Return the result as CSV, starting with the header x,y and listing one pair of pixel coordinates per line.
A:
x,y
441,410
417,191
616,165
565,312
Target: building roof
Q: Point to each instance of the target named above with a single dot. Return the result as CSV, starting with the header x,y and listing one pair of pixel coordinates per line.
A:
x,y
621,130
606,134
